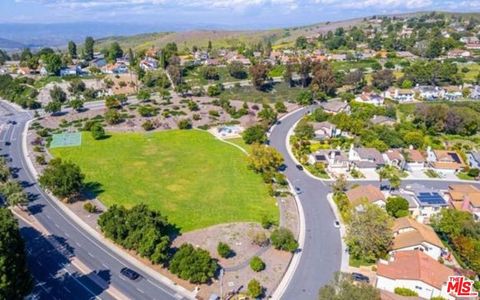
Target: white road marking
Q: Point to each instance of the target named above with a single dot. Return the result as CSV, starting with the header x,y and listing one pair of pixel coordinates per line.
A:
x,y
65,288
140,291
90,254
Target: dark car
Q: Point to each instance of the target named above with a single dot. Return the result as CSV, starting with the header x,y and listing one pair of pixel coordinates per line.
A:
x,y
360,277
300,167
12,122
130,274
7,143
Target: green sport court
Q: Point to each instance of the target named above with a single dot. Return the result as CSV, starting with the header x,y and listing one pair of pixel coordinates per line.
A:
x,y
71,139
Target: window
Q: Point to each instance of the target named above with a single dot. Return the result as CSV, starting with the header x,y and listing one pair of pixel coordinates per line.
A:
x,y
418,287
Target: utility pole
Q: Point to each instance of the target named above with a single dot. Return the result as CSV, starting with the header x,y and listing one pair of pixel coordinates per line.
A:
x,y
221,284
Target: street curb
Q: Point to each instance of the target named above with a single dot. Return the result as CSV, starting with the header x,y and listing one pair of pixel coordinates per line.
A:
x,y
344,267
294,262
96,235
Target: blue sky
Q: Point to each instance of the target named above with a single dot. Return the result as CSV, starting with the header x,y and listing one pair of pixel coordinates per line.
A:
x,y
231,13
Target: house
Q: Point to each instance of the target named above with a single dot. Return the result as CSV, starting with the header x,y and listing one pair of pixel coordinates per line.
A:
x,y
445,161
153,53
149,64
338,57
212,62
370,98
406,55
394,158
475,92
430,93
368,193
430,201
24,71
458,53
473,46
412,235
400,95
116,68
325,130
69,71
383,120
465,197
416,271
335,160
366,158
335,107
98,62
414,160
453,93
474,159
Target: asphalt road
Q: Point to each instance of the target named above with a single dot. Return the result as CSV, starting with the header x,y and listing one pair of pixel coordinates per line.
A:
x,y
321,254
56,277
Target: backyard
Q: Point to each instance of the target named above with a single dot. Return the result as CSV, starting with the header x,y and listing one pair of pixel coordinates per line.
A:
x,y
279,92
169,171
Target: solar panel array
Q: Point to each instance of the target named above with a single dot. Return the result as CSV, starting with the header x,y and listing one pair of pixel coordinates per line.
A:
x,y
431,198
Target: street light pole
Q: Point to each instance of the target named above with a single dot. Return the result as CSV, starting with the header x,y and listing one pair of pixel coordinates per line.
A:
x,y
221,283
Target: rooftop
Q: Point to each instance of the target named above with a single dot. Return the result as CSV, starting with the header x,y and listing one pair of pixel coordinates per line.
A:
x,y
415,265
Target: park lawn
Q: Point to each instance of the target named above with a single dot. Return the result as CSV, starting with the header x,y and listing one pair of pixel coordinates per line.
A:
x,y
194,77
240,142
189,176
279,92
471,75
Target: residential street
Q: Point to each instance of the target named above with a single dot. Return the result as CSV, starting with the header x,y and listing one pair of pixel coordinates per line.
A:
x,y
105,263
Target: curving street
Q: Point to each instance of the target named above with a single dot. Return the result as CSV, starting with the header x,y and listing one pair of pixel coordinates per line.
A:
x,y
50,256
321,254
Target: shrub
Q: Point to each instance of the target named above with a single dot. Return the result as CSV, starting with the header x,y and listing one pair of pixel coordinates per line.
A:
x,y
148,125
254,289
193,264
258,238
224,250
405,292
257,264
139,228
97,131
89,207
40,159
254,134
184,124
474,172
283,239
266,222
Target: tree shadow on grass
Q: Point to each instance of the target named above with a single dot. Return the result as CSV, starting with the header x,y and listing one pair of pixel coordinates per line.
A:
x,y
92,190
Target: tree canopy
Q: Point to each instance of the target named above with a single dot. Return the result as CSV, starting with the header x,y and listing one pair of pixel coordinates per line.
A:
x,y
193,264
63,179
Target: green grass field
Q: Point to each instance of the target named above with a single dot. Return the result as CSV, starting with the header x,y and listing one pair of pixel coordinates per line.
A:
x,y
279,93
189,176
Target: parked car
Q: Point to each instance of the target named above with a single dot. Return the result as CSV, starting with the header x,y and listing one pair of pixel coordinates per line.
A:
x,y
129,273
336,224
12,122
360,277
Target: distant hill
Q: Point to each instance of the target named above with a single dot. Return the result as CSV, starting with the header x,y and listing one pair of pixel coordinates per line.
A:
x,y
9,44
222,38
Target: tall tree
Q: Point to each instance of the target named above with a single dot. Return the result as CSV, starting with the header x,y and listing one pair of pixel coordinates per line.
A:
x,y
323,79
89,44
343,288
369,233
63,179
259,74
72,49
15,279
53,63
